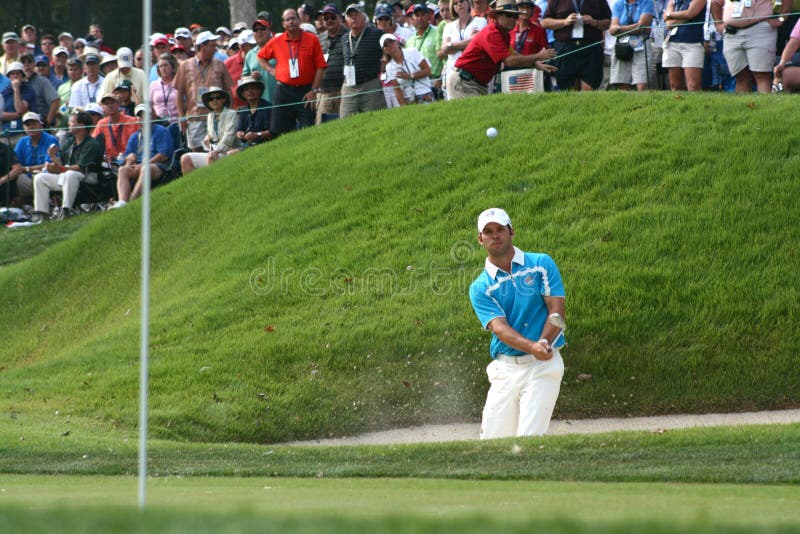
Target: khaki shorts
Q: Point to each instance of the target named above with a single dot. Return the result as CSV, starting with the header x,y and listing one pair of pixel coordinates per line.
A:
x,y
634,71
752,48
195,133
683,55
460,88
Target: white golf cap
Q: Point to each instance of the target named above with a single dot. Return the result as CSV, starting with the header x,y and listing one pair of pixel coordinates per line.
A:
x,y
205,37
493,215
31,116
183,33
125,57
60,50
247,37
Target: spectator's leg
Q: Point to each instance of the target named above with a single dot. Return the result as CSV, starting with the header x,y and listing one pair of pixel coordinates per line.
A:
x,y
349,102
791,79
24,186
187,165
43,183
124,177
676,80
744,81
155,174
763,81
694,78
72,181
375,98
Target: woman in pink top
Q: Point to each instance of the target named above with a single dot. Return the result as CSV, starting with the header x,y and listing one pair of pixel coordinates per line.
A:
x,y
162,93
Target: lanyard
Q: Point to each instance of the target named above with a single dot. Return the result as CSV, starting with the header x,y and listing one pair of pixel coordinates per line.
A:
x,y
91,96
461,32
114,138
166,94
577,6
425,36
521,37
354,48
294,55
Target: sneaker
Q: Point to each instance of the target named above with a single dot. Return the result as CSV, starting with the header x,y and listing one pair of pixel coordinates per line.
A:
x,y
62,214
39,216
118,204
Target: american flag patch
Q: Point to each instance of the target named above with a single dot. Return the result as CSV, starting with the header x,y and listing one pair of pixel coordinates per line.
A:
x,y
519,81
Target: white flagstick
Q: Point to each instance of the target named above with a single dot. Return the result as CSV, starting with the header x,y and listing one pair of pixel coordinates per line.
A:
x,y
145,294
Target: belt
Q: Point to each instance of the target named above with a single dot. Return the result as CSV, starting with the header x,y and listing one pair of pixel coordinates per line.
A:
x,y
293,86
522,359
465,75
733,29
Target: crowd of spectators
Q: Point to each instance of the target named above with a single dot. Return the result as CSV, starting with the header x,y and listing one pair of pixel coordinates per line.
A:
x,y
72,107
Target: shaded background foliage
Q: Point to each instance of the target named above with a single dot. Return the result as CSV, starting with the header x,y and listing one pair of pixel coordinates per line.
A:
x,y
121,20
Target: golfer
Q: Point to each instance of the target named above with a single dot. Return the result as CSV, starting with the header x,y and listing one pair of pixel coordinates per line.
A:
x,y
513,297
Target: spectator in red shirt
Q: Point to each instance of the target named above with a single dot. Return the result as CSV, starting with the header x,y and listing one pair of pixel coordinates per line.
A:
x,y
490,49
528,36
299,69
235,63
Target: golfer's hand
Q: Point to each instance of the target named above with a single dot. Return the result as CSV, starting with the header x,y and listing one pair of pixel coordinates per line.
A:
x,y
545,67
541,352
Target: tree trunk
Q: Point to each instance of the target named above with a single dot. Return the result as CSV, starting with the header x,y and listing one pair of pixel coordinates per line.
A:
x,y
242,11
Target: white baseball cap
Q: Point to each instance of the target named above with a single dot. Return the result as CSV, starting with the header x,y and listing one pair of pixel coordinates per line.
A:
x,y
60,50
125,57
183,33
493,215
247,37
205,37
31,116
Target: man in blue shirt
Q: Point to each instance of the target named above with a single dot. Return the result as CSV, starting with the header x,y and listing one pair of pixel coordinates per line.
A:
x,y
513,297
160,154
31,153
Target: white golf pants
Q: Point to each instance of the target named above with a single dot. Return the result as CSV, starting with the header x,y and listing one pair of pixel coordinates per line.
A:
x,y
522,396
67,182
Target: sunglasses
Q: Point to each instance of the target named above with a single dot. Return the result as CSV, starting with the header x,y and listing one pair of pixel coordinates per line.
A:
x,y
329,17
511,15
215,97
259,29
384,18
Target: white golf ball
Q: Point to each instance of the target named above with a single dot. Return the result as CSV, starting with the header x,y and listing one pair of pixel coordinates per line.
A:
x,y
491,132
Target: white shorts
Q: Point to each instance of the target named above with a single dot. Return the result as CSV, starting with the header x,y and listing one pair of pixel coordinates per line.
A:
x,y
752,48
683,55
522,396
634,71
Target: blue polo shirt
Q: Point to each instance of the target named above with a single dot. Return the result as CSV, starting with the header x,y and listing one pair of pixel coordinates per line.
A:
x,y
160,143
517,297
631,12
29,155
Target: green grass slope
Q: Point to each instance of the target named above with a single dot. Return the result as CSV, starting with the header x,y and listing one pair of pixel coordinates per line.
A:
x,y
317,286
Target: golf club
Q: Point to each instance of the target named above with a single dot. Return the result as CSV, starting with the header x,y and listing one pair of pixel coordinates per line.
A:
x,y
556,320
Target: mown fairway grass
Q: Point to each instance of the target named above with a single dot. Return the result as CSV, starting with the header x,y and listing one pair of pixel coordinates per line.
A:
x,y
317,286
236,504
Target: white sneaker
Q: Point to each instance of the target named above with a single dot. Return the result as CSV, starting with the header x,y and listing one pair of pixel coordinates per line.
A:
x,y
117,204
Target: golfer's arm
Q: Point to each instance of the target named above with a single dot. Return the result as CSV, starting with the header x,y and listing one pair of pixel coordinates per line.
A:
x,y
508,335
554,305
